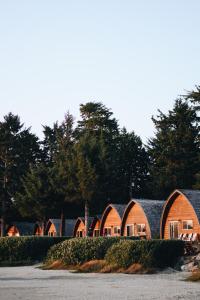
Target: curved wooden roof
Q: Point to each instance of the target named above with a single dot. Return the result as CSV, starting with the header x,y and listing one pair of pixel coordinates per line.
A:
x,y
118,207
193,197
152,210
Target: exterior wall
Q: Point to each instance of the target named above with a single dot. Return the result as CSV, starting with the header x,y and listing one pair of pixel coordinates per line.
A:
x,y
181,210
112,220
136,216
52,231
80,229
13,231
96,227
38,231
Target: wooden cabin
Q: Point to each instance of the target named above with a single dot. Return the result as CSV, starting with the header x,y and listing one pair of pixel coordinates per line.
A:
x,y
53,227
141,218
20,229
181,216
95,226
111,220
79,228
38,229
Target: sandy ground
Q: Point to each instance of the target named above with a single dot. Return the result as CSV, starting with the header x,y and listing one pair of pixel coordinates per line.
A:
x,y
32,283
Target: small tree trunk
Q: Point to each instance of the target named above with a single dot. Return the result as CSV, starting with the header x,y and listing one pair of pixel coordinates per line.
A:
x,y
62,224
86,218
43,227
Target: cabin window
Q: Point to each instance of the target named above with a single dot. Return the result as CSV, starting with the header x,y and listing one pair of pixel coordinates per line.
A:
x,y
80,233
107,231
117,230
188,224
96,232
130,230
141,228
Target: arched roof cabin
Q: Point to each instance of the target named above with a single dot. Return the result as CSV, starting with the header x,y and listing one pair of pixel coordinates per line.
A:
x,y
111,220
20,229
142,218
53,227
181,215
79,228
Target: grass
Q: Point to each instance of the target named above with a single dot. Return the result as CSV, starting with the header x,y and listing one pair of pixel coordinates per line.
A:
x,y
98,266
194,277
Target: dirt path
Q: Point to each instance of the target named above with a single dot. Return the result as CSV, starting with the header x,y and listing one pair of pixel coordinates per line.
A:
x,y
28,283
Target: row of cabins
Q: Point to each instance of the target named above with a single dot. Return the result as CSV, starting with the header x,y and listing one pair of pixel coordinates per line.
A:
x,y
177,217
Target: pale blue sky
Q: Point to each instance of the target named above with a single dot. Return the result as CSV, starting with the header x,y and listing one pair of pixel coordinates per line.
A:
x,y
134,56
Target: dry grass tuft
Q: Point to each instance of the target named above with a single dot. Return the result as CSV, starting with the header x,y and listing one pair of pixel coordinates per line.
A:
x,y
139,269
57,265
92,266
194,277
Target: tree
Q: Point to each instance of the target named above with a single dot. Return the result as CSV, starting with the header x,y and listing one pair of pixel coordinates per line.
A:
x,y
18,150
64,168
174,150
37,199
132,166
86,150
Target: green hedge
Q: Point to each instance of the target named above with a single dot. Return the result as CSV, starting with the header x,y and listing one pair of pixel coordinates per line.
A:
x,y
153,253
79,250
20,249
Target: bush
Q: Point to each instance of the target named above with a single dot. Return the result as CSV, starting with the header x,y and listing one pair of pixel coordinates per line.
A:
x,y
80,250
21,249
150,254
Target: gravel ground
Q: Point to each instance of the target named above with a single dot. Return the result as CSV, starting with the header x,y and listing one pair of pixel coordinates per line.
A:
x,y
30,283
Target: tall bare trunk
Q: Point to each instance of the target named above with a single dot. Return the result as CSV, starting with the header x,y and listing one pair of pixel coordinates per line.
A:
x,y
3,206
43,227
86,218
62,224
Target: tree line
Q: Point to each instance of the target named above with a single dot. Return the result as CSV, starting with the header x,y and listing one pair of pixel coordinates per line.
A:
x,y
95,162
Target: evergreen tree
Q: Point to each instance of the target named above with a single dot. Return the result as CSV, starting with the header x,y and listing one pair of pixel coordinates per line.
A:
x,y
132,166
174,150
86,157
18,150
36,200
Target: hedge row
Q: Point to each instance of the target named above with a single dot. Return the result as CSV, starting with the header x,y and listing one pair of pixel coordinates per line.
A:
x,y
117,251
79,250
17,249
150,254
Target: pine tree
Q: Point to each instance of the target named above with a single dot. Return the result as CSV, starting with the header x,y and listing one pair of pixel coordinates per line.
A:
x,y
174,150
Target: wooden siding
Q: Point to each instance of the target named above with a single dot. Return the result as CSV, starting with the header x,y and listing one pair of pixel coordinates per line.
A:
x,y
96,227
181,210
39,231
80,228
52,230
136,216
13,231
112,220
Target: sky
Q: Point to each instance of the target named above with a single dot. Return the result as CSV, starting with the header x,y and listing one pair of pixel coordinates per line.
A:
x,y
134,56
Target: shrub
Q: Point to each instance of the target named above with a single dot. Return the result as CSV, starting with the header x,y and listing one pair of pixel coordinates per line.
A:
x,y
80,250
153,253
18,249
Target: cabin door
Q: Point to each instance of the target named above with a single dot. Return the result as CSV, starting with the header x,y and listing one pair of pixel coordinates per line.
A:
x,y
173,230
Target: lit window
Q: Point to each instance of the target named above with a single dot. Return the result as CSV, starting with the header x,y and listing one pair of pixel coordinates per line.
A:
x,y
141,228
117,230
188,224
107,231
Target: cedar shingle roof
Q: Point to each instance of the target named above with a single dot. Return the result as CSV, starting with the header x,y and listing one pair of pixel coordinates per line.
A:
x,y
194,198
153,211
69,225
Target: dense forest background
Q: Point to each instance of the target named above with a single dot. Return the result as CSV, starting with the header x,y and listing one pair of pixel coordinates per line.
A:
x,y
94,162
